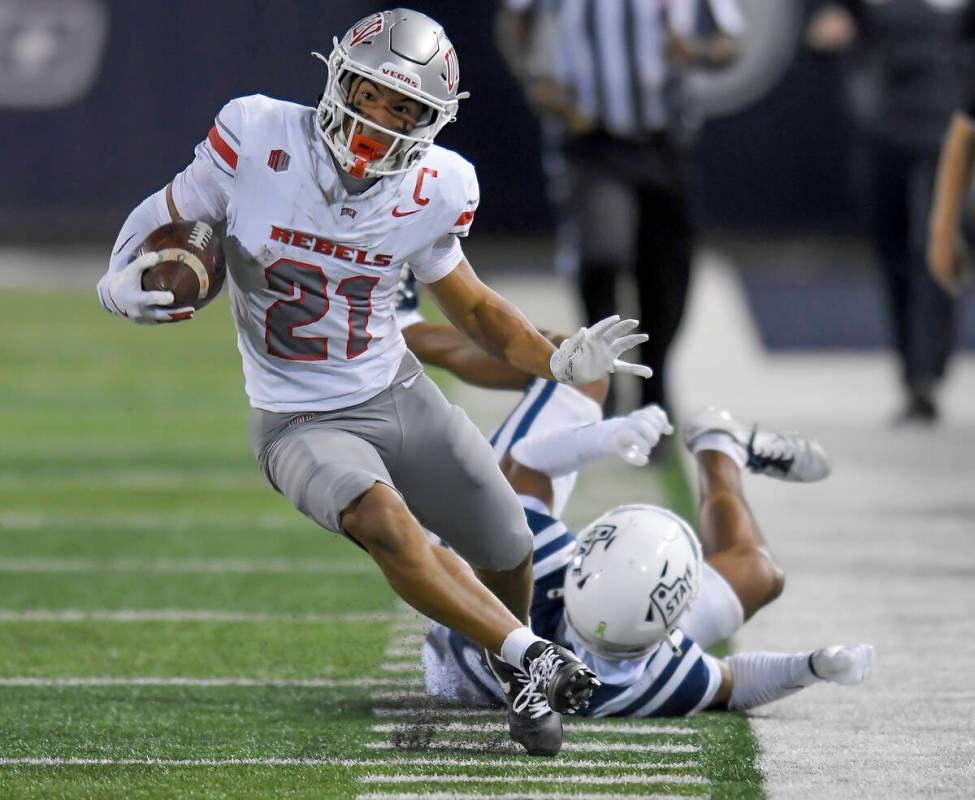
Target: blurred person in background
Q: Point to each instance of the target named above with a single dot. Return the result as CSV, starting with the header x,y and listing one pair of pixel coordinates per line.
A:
x,y
906,76
607,80
947,255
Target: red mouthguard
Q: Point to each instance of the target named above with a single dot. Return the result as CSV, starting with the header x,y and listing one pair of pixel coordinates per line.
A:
x,y
365,150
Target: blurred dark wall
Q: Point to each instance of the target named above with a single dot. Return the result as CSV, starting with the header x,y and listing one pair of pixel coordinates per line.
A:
x,y
74,171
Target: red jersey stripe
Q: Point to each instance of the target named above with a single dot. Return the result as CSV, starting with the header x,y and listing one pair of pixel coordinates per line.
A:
x,y
224,150
464,219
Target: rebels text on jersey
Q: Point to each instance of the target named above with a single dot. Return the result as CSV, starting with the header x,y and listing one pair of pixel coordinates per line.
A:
x,y
313,268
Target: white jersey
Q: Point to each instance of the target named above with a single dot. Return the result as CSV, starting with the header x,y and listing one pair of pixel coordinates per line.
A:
x,y
312,268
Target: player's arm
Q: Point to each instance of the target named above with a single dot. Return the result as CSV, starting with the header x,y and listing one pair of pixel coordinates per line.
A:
x,y
200,192
954,178
446,347
497,326
492,322
537,459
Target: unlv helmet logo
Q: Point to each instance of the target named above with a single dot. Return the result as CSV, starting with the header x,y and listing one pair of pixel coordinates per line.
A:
x,y
365,28
452,69
667,600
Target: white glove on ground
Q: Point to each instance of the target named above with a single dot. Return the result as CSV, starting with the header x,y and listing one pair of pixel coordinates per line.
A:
x,y
122,294
846,664
590,353
637,433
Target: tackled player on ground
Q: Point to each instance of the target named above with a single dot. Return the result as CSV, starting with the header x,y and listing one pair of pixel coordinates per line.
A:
x,y
637,595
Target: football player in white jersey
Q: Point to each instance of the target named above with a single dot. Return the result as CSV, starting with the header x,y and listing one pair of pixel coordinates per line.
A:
x,y
322,208
634,596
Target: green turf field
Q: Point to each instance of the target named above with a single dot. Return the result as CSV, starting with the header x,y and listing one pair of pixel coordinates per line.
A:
x,y
171,627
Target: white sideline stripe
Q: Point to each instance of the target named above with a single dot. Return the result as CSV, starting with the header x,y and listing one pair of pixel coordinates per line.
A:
x,y
272,566
502,727
204,682
183,615
594,780
572,747
518,796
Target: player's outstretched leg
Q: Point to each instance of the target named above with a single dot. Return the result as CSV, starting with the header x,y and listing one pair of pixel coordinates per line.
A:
x,y
760,678
784,455
438,584
732,540
552,682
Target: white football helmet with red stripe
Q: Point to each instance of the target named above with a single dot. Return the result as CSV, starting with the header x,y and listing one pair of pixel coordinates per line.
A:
x,y
405,51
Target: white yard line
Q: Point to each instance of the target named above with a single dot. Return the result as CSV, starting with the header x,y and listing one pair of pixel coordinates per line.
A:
x,y
517,796
166,566
402,666
418,698
594,780
534,765
182,762
387,763
184,615
569,747
38,520
502,727
438,713
282,683
157,479
402,652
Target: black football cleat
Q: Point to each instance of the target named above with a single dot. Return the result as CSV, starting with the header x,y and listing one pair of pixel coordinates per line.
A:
x,y
553,682
565,681
534,725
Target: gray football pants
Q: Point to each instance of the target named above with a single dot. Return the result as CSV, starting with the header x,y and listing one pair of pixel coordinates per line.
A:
x,y
412,439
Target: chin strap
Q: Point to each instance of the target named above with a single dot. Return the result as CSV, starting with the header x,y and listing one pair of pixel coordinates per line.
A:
x,y
365,150
674,648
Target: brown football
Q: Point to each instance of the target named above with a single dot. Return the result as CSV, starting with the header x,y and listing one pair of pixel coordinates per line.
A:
x,y
192,265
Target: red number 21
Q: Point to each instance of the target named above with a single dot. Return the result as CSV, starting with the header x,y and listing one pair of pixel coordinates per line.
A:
x,y
308,288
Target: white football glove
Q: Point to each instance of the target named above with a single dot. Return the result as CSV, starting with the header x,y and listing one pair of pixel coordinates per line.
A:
x,y
123,295
590,353
637,433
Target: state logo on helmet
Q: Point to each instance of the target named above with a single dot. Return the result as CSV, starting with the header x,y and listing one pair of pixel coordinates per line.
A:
x,y
402,50
636,570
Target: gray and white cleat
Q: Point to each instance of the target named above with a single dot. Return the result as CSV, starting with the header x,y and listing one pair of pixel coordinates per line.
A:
x,y
783,455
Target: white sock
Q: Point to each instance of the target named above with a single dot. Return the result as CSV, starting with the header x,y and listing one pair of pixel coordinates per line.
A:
x,y
515,644
760,678
563,450
723,443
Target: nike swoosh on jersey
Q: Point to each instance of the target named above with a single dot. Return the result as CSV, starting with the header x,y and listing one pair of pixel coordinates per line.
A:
x,y
398,213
